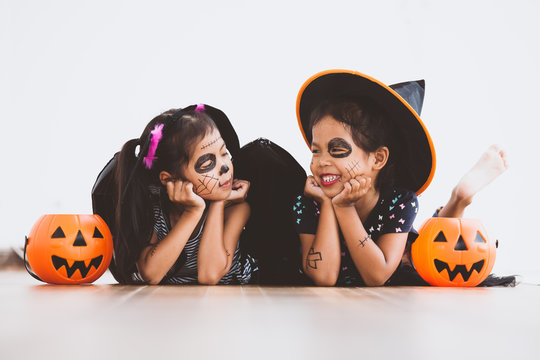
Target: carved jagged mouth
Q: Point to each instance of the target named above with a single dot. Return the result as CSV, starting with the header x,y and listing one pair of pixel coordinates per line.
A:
x,y
58,262
459,269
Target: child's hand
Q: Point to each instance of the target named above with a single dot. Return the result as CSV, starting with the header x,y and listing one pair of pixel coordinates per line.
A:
x,y
352,191
181,192
239,191
313,190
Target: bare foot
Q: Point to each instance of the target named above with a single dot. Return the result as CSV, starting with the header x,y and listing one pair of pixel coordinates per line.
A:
x,y
491,164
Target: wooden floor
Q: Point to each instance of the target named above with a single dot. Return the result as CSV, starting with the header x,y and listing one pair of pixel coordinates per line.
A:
x,y
105,320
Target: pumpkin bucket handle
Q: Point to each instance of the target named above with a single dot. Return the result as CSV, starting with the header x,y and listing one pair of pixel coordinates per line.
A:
x,y
26,264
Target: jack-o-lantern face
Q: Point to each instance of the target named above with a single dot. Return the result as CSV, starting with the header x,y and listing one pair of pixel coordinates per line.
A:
x,y
453,252
69,249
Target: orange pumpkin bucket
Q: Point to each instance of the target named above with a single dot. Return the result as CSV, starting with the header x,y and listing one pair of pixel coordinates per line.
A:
x,y
453,252
69,248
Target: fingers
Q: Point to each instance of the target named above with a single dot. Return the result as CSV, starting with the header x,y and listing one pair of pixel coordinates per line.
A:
x,y
343,198
179,191
171,189
174,189
311,183
240,184
361,184
347,188
352,191
355,185
312,189
239,191
188,187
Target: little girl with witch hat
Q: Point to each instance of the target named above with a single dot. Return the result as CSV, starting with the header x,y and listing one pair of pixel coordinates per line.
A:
x,y
372,156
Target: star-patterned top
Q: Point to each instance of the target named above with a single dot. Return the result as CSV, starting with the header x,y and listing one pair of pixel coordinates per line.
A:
x,y
394,212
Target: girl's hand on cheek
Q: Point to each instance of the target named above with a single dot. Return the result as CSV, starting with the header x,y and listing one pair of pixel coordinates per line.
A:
x,y
352,191
313,190
182,193
239,191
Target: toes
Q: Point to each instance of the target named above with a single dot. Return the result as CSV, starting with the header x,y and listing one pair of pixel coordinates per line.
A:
x,y
495,148
497,152
504,156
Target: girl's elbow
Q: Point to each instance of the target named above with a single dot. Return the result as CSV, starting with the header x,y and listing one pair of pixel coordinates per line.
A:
x,y
211,276
150,274
151,279
154,281
376,281
325,280
208,278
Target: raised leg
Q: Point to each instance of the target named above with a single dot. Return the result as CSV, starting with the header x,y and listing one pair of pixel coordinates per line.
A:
x,y
491,164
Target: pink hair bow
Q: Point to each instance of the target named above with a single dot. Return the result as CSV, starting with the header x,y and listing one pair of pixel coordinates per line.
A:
x,y
154,141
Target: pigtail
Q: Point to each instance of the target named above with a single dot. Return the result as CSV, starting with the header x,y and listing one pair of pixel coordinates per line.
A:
x,y
133,212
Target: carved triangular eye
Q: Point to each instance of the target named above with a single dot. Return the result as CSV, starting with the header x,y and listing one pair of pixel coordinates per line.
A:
x,y
440,237
461,246
479,238
97,233
58,234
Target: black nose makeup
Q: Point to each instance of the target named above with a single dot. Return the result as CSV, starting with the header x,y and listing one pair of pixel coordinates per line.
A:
x,y
224,169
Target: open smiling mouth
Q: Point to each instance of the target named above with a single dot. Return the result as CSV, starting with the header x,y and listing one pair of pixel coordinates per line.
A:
x,y
58,262
459,269
327,180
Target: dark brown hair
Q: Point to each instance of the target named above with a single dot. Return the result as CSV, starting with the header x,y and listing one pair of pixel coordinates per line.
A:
x,y
369,128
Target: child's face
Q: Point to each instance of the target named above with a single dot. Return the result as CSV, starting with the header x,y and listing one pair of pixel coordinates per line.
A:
x,y
336,158
210,168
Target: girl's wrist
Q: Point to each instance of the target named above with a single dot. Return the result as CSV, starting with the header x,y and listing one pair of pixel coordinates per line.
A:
x,y
325,201
343,205
196,209
344,210
217,204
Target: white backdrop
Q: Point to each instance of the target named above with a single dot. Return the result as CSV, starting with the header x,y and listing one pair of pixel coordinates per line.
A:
x,y
79,78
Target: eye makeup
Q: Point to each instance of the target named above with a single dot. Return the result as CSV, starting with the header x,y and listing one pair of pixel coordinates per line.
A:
x,y
205,163
339,148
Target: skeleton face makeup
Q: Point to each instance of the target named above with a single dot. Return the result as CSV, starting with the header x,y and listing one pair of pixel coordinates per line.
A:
x,y
210,168
336,158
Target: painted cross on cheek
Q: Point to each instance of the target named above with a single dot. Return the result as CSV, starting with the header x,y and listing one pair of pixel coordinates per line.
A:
x,y
352,168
